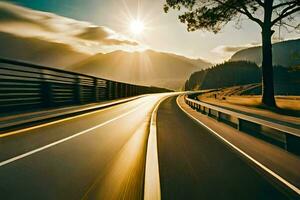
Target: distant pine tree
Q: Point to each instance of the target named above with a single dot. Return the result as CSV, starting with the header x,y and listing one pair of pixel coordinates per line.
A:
x,y
225,75
287,80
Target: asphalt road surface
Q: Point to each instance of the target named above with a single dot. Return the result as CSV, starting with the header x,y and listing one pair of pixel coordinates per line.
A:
x,y
102,155
195,164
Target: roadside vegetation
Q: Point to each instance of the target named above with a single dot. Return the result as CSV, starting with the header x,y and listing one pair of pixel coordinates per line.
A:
x,y
246,97
215,14
241,73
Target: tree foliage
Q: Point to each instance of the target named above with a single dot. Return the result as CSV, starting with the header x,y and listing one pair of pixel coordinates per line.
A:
x,y
213,15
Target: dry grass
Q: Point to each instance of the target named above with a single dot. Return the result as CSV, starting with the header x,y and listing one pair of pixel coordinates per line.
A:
x,y
286,103
288,107
232,95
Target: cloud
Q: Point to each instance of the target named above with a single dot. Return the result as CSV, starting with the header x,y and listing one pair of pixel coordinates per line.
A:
x,y
25,22
94,33
225,52
231,49
104,35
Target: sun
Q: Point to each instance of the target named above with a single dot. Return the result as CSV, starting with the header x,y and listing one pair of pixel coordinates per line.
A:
x,y
137,27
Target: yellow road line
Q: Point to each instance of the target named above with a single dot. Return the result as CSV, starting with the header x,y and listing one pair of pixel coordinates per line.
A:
x,y
54,122
68,138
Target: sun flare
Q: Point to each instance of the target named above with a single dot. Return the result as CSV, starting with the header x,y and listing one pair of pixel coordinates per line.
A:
x,y
137,27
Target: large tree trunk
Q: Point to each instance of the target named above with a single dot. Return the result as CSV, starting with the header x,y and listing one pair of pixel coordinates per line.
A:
x,y
267,70
267,64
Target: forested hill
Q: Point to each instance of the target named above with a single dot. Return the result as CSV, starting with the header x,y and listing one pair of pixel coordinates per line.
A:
x,y
287,80
286,53
225,75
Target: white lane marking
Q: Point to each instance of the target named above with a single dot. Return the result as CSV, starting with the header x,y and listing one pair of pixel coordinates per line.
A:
x,y
288,184
66,119
152,180
68,138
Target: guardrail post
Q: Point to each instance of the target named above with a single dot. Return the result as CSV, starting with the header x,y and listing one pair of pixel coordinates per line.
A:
x,y
218,115
129,91
111,90
115,90
126,90
95,89
47,94
240,124
46,91
107,90
134,91
124,93
78,91
124,86
121,90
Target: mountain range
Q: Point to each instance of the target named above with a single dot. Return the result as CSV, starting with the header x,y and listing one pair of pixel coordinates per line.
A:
x,y
56,41
147,67
285,53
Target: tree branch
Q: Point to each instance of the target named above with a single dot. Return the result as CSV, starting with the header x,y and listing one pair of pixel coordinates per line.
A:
x,y
285,14
260,2
243,11
250,16
284,4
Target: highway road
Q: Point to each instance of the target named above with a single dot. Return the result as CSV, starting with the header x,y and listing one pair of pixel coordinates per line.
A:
x,y
195,164
102,155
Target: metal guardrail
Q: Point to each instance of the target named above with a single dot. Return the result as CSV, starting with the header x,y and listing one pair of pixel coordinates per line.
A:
x,y
25,86
283,136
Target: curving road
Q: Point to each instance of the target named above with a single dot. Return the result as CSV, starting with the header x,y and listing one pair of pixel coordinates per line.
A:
x,y
195,164
102,155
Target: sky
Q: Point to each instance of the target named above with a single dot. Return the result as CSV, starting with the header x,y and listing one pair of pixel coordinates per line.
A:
x,y
163,31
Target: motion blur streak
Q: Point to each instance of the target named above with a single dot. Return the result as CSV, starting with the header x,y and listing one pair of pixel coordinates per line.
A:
x,y
106,163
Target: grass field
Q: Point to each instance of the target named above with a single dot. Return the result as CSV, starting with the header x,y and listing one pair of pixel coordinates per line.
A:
x,y
283,102
286,105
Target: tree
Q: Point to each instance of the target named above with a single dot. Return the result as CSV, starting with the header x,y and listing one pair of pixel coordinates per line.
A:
x,y
213,15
